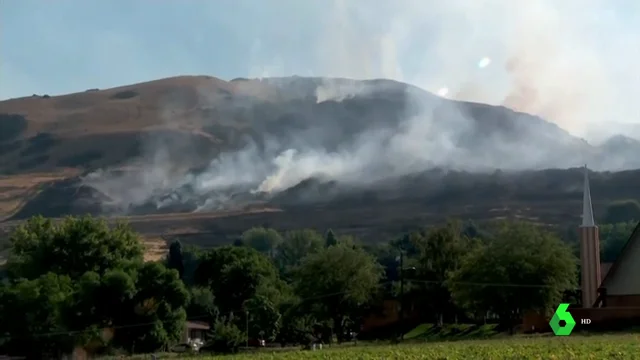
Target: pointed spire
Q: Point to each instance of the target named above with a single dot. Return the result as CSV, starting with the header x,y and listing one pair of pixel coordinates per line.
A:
x,y
587,210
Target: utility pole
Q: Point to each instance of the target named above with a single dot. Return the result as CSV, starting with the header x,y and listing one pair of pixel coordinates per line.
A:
x,y
401,293
402,276
246,317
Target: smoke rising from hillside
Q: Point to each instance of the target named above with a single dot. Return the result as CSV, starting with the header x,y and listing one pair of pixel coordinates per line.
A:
x,y
569,62
572,62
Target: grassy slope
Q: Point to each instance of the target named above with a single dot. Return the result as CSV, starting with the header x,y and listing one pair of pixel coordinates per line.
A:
x,y
80,130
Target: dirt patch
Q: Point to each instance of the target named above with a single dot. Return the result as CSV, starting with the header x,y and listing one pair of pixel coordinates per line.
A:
x,y
156,248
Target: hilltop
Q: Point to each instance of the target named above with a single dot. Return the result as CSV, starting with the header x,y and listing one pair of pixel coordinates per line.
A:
x,y
202,158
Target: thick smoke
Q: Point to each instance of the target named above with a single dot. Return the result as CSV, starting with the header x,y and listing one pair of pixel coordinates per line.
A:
x,y
569,62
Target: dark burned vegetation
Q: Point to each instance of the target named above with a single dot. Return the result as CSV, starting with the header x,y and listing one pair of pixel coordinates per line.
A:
x,y
39,144
84,159
547,197
59,198
32,162
11,126
124,95
10,146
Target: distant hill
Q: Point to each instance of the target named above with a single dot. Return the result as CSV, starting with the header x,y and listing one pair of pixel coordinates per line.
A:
x,y
209,115
197,143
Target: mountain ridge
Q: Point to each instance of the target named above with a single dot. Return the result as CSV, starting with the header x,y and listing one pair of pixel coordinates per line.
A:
x,y
202,144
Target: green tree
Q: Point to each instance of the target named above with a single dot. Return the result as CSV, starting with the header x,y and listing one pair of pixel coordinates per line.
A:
x,y
440,250
338,280
330,239
406,243
3,274
157,310
521,267
70,247
98,302
386,255
472,230
622,211
82,276
31,310
613,238
295,246
143,304
238,242
191,257
297,323
241,278
264,240
202,305
264,318
349,240
226,336
175,258
234,275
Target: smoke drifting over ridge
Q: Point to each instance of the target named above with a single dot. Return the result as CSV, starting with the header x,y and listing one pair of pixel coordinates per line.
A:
x,y
538,57
571,62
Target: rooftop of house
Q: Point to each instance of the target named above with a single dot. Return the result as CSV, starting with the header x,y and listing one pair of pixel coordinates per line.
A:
x,y
621,278
604,270
197,325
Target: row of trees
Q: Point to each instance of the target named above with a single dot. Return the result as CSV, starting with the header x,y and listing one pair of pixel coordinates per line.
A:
x,y
82,284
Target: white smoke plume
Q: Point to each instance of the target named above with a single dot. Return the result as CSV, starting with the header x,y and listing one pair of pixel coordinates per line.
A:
x,y
570,62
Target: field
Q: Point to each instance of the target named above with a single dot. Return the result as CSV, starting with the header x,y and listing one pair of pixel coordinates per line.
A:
x,y
619,346
574,347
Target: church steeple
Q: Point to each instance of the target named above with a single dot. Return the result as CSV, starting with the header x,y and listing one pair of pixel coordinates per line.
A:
x,y
589,249
587,209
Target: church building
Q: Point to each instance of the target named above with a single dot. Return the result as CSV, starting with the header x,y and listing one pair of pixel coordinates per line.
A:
x,y
609,292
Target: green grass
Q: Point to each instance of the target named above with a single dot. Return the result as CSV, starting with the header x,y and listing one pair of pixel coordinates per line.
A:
x,y
451,332
520,348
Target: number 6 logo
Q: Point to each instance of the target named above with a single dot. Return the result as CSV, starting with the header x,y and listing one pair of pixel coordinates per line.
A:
x,y
562,314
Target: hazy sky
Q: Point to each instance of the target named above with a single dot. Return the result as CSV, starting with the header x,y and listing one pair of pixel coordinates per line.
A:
x,y
571,61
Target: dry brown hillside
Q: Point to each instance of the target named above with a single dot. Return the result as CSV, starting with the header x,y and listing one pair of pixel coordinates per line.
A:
x,y
47,138
99,128
44,138
47,142
126,109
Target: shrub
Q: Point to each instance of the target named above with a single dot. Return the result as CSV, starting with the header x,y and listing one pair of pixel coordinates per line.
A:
x,y
123,95
226,337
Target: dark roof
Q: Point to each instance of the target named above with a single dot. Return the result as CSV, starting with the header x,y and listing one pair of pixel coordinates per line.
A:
x,y
604,270
635,236
197,325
